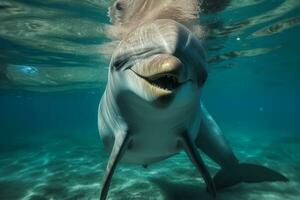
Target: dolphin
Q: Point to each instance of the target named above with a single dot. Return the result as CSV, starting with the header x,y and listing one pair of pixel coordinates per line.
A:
x,y
151,108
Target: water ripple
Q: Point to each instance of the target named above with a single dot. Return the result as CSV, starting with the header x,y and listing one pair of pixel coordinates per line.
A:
x,y
68,34
277,27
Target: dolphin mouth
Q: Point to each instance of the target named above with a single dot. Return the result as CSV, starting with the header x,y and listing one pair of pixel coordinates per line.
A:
x,y
165,81
164,73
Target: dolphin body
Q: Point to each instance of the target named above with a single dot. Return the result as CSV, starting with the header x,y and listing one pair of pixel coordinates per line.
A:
x,y
151,108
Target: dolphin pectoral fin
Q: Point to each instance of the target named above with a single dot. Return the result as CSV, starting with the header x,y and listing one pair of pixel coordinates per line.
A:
x,y
120,146
248,173
212,142
195,157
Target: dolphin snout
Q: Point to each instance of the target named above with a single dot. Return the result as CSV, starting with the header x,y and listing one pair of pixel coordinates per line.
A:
x,y
163,71
172,66
159,66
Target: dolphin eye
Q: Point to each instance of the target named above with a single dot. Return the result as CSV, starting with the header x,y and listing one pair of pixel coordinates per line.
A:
x,y
120,62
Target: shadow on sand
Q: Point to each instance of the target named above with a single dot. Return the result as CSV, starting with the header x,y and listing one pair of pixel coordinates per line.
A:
x,y
180,191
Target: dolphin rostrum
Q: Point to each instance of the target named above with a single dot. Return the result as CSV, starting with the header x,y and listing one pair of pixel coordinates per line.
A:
x,y
151,108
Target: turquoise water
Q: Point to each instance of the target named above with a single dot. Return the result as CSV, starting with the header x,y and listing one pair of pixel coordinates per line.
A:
x,y
52,76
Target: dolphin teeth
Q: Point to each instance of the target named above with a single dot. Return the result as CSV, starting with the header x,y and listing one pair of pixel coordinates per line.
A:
x,y
166,82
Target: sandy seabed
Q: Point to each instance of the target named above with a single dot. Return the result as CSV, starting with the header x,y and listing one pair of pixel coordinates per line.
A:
x,y
73,169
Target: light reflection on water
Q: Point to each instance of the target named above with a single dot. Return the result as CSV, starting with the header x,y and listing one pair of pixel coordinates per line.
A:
x,y
71,34
56,46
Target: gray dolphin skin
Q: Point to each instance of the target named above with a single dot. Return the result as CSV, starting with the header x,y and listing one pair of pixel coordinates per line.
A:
x,y
151,108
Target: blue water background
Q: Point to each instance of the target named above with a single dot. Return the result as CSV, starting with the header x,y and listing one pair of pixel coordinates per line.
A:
x,y
253,91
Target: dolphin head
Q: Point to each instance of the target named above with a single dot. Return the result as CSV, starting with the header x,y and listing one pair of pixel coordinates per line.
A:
x,y
161,63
